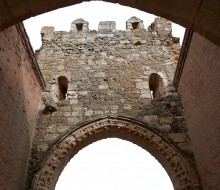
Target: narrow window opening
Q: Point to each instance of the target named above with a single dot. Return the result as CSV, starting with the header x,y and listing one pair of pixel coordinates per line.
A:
x,y
151,94
63,86
156,86
152,26
79,26
135,25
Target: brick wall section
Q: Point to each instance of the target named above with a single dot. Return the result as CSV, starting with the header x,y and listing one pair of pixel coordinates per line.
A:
x,y
19,102
200,90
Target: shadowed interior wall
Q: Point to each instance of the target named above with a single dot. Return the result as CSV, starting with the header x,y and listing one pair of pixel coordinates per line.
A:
x,y
200,92
19,102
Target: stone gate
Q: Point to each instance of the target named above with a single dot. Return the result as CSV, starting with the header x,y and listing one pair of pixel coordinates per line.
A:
x,y
122,78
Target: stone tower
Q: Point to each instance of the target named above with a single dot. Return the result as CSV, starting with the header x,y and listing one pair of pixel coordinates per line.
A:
x,y
109,73
102,65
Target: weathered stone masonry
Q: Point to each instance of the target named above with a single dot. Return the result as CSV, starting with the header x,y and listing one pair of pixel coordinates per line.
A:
x,y
109,73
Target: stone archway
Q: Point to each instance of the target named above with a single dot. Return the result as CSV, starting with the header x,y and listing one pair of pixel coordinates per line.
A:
x,y
181,172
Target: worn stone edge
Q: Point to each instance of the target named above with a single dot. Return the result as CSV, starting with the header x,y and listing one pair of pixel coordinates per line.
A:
x,y
26,42
182,57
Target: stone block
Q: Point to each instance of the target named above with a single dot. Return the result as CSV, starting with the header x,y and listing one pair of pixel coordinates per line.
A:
x,y
42,147
100,74
103,87
115,107
184,146
98,112
127,107
146,101
165,127
107,26
151,119
65,108
51,129
88,113
74,101
83,93
70,120
167,120
62,128
75,113
178,137
50,137
142,85
145,94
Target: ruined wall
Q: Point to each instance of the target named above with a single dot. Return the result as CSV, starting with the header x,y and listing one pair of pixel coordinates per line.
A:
x,y
200,90
20,95
109,73
107,64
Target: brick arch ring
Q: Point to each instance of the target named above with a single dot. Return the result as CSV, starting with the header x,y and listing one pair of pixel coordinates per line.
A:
x,y
180,171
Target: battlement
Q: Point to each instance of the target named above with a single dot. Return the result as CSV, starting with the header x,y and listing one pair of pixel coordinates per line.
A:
x,y
160,27
134,23
79,25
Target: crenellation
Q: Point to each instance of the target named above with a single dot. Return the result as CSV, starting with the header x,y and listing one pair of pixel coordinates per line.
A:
x,y
107,26
161,27
79,26
47,33
134,23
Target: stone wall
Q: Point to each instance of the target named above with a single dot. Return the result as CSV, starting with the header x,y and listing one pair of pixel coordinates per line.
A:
x,y
20,89
104,61
200,91
95,74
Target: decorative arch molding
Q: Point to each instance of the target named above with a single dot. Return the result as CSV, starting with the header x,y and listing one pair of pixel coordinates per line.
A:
x,y
181,172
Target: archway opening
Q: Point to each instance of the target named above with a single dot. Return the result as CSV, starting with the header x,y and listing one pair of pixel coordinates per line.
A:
x,y
156,85
113,164
180,171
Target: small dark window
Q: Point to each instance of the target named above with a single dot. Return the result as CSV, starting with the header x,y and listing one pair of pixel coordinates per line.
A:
x,y
63,86
79,26
135,25
156,85
152,26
